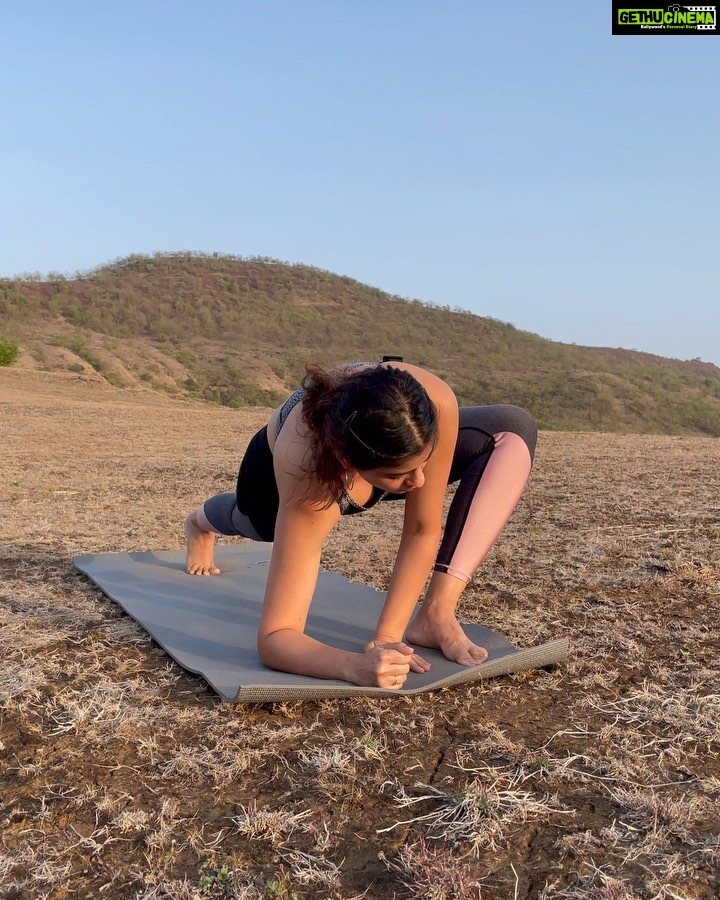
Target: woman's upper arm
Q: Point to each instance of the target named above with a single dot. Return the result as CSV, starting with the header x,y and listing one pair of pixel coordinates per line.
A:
x,y
424,506
300,532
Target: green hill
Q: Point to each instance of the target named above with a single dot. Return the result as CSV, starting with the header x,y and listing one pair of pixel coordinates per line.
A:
x,y
239,331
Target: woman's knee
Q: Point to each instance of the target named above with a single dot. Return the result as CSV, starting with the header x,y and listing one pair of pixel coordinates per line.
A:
x,y
500,418
521,423
223,515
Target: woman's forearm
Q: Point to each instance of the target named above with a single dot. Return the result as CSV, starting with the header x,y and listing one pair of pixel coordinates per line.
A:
x,y
415,557
292,651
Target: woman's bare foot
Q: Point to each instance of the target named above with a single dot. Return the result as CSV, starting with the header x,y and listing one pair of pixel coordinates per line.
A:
x,y
443,632
200,544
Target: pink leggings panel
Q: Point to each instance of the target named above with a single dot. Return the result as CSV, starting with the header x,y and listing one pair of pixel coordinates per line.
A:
x,y
484,504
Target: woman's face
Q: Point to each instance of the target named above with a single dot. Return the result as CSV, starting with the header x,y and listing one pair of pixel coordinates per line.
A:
x,y
408,475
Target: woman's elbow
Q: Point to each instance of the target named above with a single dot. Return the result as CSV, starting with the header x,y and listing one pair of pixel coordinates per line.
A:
x,y
265,648
272,647
424,529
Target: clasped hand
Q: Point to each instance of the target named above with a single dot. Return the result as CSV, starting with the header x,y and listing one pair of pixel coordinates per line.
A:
x,y
386,664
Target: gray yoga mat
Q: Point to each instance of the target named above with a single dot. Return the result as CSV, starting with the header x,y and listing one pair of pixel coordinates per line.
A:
x,y
208,624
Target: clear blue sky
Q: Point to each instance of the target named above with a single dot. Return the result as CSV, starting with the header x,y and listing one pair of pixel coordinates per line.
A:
x,y
513,159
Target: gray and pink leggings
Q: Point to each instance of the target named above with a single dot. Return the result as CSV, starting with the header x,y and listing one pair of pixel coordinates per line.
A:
x,y
492,461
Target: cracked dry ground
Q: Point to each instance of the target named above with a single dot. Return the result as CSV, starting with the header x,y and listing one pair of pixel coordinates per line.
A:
x,y
122,776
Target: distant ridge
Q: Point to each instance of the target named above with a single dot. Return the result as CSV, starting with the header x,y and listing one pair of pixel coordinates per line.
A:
x,y
239,331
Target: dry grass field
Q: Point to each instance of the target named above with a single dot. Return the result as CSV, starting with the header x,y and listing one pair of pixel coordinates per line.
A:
x,y
121,776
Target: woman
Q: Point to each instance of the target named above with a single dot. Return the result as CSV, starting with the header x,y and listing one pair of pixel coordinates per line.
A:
x,y
347,439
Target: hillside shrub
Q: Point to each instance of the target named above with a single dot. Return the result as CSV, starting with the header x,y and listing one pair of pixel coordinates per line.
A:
x,y
8,353
235,324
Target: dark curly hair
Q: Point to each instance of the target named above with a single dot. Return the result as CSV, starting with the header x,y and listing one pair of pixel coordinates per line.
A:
x,y
378,416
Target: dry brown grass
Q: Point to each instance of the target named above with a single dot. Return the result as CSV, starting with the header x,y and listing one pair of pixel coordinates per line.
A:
x,y
122,776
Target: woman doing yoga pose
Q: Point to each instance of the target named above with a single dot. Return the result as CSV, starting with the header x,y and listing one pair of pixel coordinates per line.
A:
x,y
346,440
